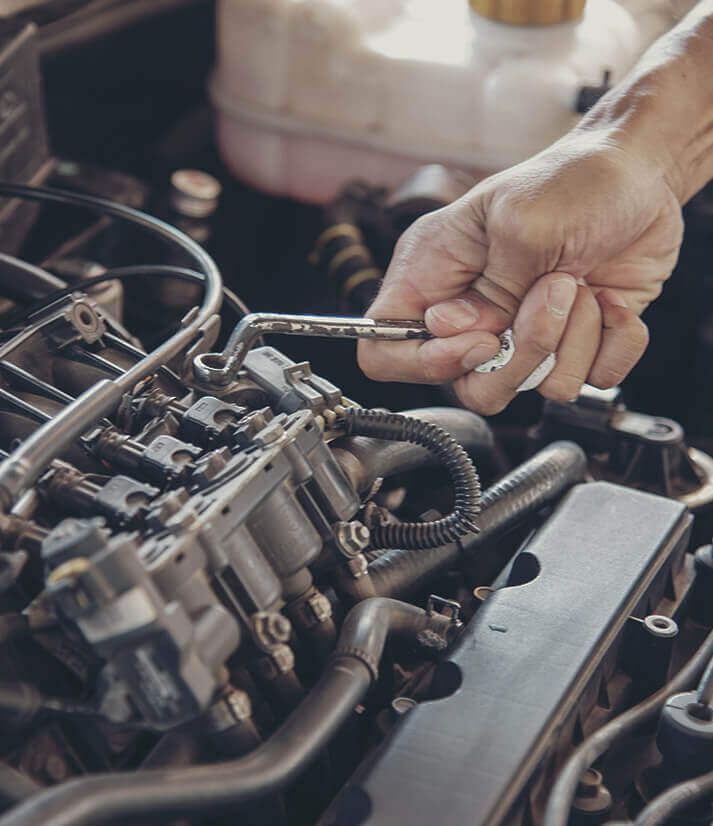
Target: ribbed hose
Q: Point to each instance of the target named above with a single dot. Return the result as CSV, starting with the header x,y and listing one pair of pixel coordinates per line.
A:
x,y
398,428
538,482
364,459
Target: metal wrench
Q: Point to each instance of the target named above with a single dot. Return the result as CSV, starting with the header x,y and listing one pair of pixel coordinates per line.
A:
x,y
220,369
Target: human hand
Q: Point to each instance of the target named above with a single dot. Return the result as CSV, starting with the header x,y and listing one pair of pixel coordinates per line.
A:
x,y
567,248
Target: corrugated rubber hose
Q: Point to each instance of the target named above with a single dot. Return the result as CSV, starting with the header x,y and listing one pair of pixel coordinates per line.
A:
x,y
539,481
462,519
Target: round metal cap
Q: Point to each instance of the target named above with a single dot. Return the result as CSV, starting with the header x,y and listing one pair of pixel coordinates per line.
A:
x,y
530,12
194,193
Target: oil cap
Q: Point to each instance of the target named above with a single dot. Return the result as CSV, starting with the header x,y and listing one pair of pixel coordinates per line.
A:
x,y
530,12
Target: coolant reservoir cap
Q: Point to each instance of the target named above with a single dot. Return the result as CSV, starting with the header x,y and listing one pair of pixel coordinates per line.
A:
x,y
530,12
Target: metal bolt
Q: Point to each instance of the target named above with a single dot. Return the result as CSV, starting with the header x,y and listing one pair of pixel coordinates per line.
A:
x,y
279,661
358,566
271,629
351,537
320,607
593,797
233,707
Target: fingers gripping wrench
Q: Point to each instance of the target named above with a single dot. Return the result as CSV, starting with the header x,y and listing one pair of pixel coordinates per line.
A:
x,y
220,369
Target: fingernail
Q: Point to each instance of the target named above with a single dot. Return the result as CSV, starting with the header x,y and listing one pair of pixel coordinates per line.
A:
x,y
560,296
478,355
614,299
459,314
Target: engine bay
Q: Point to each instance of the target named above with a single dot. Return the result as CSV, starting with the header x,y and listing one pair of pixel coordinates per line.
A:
x,y
281,593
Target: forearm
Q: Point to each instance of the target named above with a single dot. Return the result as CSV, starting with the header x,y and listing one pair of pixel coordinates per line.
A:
x,y
663,111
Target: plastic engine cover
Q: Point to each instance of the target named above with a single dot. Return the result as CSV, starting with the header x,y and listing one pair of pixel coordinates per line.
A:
x,y
532,661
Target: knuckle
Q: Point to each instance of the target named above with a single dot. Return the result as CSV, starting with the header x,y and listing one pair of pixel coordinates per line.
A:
x,y
420,233
491,407
487,404
505,210
640,338
543,342
561,387
434,372
606,377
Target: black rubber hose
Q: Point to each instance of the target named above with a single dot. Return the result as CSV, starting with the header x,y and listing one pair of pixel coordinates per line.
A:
x,y
27,280
207,790
538,482
675,800
565,787
398,428
148,223
365,459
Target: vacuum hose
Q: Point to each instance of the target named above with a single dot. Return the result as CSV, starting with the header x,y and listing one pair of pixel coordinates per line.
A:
x,y
365,459
206,790
398,428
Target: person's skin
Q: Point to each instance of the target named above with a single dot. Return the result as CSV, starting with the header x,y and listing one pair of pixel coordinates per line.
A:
x,y
568,248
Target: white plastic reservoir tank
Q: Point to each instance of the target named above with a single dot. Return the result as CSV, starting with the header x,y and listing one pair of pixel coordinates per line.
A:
x,y
311,93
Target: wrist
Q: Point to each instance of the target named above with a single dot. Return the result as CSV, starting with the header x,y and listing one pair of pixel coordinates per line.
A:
x,y
661,114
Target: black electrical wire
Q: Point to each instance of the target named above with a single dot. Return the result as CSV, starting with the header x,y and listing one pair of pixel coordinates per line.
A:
x,y
148,223
36,282
377,458
673,801
232,301
23,466
462,519
33,281
565,787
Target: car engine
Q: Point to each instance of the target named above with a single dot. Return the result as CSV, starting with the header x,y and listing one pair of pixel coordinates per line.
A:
x,y
241,583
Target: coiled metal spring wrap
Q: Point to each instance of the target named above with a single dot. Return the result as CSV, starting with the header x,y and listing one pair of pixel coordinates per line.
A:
x,y
466,484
